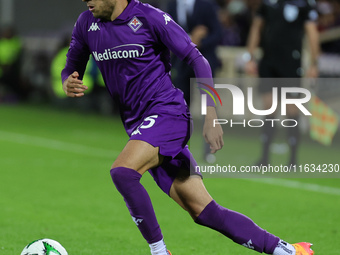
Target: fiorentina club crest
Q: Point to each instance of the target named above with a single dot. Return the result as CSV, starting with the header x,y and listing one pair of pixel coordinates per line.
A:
x,y
135,24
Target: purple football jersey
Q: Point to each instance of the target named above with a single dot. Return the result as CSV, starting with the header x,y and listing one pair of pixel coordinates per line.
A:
x,y
133,55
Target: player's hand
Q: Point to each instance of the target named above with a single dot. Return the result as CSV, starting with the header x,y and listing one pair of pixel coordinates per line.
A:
x,y
73,87
251,68
212,135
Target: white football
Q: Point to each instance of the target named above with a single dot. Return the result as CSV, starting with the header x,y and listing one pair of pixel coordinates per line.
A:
x,y
44,247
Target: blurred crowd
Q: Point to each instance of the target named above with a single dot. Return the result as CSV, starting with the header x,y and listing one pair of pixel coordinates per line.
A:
x,y
35,75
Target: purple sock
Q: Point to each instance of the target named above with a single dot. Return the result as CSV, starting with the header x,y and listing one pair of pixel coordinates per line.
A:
x,y
137,200
237,227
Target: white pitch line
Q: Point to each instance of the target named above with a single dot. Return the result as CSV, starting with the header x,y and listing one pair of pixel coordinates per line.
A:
x,y
97,152
56,145
298,185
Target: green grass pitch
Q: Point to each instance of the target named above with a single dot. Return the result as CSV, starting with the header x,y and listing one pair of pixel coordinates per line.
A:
x,y
55,183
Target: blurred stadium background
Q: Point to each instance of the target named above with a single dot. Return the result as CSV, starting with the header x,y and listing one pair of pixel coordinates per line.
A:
x,y
42,28
34,35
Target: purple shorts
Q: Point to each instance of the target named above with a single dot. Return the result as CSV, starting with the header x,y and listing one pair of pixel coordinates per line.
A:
x,y
170,133
165,174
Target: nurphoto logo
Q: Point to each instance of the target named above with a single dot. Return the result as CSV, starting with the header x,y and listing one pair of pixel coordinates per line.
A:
x,y
240,101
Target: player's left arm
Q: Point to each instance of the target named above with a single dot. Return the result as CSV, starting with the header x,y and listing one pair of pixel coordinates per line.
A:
x,y
177,41
213,134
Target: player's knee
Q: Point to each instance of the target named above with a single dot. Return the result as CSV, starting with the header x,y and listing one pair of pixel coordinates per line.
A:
x,y
195,211
124,177
194,216
117,175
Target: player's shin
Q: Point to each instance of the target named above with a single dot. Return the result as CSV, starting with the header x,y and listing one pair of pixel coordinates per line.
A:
x,y
237,227
137,200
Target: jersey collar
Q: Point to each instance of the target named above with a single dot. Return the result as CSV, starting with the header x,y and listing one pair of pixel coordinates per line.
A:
x,y
126,13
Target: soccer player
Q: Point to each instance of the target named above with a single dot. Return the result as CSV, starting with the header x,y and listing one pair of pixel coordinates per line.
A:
x,y
131,43
279,27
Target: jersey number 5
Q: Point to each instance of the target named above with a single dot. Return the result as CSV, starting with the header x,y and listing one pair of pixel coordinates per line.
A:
x,y
151,121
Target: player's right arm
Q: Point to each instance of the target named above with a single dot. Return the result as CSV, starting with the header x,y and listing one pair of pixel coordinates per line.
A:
x,y
77,58
73,87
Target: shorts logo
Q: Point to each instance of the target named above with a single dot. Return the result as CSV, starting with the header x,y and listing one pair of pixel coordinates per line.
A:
x,y
135,24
